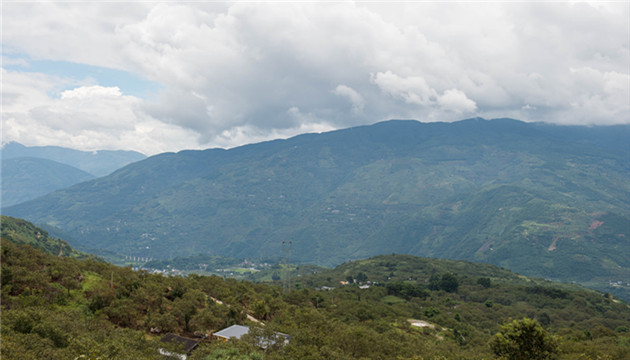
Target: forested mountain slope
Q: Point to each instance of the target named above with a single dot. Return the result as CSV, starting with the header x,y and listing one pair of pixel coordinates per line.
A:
x,y
540,199
22,232
64,308
28,178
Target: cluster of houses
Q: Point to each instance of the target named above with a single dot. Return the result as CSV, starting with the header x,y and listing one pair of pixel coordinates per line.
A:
x,y
245,267
617,283
233,332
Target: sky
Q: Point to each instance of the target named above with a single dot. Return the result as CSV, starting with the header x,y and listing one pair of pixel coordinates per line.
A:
x,y
166,76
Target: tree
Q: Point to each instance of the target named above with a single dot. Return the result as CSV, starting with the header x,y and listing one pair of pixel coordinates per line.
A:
x,y
524,340
209,318
233,353
485,282
186,307
261,309
122,312
449,283
361,277
434,282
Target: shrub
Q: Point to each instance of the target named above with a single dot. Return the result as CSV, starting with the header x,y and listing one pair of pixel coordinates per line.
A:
x,y
524,339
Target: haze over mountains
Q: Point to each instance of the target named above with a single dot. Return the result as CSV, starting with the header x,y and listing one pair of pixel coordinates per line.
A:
x,y
539,199
32,171
98,163
27,178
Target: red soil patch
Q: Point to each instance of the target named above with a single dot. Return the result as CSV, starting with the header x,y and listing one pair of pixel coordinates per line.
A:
x,y
595,224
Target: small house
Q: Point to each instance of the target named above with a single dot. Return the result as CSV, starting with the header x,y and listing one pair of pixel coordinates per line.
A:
x,y
234,331
237,331
187,344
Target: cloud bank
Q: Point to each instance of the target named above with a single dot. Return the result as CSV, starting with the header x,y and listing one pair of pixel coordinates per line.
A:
x,y
234,73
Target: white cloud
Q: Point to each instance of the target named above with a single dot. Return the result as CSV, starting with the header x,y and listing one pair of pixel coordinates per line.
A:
x,y
607,98
229,71
357,101
455,100
412,89
416,90
91,93
88,108
8,61
84,117
307,123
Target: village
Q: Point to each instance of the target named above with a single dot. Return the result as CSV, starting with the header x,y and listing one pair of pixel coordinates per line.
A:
x,y
236,270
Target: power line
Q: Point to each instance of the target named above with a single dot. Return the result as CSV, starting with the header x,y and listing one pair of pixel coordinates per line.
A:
x,y
287,246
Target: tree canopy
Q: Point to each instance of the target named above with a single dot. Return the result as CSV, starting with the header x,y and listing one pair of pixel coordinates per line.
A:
x,y
524,339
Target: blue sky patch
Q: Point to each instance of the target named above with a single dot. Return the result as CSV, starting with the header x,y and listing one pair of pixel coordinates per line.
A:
x,y
127,82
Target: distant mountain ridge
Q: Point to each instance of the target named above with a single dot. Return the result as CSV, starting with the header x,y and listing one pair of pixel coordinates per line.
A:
x,y
28,178
98,163
29,172
540,199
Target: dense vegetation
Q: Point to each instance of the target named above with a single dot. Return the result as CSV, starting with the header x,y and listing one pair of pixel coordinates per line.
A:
x,y
20,231
64,308
543,200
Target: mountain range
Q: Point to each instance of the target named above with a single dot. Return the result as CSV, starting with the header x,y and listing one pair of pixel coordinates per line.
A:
x,y
32,171
543,200
27,178
97,163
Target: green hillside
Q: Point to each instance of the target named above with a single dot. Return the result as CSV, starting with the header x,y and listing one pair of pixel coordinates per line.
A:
x,y
28,178
22,232
542,200
415,308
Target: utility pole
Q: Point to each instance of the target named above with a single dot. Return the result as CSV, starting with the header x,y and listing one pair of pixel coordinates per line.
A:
x,y
286,248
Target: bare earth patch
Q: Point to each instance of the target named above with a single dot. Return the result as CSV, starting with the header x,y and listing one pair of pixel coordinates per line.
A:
x,y
595,224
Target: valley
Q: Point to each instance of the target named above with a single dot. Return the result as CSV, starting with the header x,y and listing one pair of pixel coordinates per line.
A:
x,y
542,200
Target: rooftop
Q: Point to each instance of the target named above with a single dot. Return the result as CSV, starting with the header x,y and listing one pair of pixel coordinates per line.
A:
x,y
234,331
188,343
